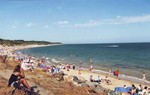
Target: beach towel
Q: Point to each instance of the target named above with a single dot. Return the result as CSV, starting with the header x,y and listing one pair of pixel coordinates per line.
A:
x,y
122,89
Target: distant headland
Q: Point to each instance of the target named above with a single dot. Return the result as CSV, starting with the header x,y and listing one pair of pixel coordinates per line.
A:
x,y
23,42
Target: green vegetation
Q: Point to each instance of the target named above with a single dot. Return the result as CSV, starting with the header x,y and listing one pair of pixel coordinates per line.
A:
x,y
22,42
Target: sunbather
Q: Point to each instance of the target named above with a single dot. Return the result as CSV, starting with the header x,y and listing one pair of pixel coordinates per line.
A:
x,y
107,81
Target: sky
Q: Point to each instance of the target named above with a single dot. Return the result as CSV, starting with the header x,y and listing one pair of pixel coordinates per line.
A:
x,y
76,21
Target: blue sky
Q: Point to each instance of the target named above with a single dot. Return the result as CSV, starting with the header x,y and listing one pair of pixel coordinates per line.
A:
x,y
76,21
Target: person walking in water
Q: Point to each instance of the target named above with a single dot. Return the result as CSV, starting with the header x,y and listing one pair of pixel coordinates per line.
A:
x,y
91,62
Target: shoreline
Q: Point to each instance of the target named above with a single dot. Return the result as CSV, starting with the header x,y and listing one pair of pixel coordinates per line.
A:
x,y
130,68
11,50
97,72
128,73
121,76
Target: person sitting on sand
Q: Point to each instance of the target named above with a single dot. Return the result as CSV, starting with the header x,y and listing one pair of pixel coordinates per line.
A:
x,y
149,91
68,67
26,66
125,86
133,90
98,80
41,64
53,70
18,76
145,91
4,59
140,88
91,78
95,80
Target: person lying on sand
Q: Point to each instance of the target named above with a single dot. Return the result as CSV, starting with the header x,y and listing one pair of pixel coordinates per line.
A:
x,y
18,76
94,80
107,81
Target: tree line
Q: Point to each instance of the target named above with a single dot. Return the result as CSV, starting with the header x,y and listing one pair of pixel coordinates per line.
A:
x,y
22,42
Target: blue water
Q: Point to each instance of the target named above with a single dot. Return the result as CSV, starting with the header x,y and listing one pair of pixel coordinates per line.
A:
x,y
115,55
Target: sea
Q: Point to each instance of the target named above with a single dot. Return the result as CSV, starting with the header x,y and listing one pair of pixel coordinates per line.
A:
x,y
131,59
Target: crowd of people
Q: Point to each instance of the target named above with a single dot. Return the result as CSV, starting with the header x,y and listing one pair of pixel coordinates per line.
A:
x,y
29,63
133,90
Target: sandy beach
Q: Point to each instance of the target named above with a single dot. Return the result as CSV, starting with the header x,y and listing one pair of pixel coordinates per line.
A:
x,y
84,74
115,82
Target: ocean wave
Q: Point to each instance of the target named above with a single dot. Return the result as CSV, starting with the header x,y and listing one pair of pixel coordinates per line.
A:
x,y
55,61
113,46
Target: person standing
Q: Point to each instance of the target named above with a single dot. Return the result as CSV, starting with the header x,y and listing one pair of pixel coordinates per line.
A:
x,y
116,73
110,71
73,67
91,67
144,77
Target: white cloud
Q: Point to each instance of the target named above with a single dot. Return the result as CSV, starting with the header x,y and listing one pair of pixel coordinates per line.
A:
x,y
29,24
117,20
62,23
144,18
88,24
